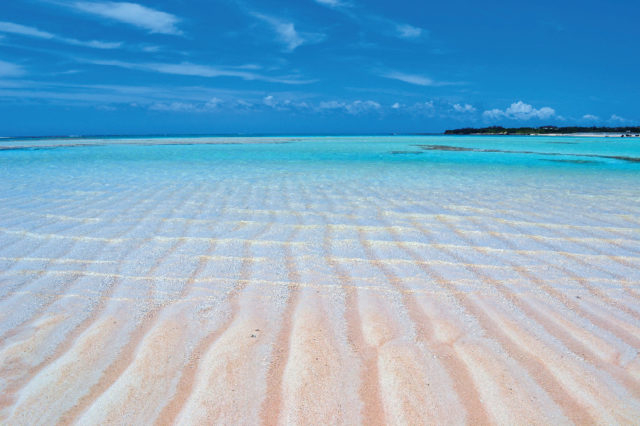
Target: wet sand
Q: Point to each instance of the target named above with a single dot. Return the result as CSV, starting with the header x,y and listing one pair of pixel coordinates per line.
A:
x,y
290,301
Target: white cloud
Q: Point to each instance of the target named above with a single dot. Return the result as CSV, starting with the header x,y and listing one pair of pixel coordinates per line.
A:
x,y
408,31
212,106
427,108
418,80
216,104
242,104
152,20
520,111
442,108
415,79
270,101
375,23
330,3
590,117
354,108
201,99
96,44
174,107
286,32
331,105
7,69
196,70
213,103
181,106
284,104
101,94
12,28
151,49
617,119
466,108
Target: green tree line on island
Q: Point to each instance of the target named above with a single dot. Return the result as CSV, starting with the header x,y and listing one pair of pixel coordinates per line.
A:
x,y
499,130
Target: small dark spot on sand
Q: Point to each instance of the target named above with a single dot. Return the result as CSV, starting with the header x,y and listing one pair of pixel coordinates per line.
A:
x,y
578,297
253,335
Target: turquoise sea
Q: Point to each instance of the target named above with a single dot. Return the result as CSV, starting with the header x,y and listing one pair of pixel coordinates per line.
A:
x,y
140,276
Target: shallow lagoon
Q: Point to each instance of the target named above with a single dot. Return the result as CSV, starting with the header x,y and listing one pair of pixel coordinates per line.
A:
x,y
419,279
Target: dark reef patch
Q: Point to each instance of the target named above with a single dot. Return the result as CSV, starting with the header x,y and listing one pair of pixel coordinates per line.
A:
x,y
563,154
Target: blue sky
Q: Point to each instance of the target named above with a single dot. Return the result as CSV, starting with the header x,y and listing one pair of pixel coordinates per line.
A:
x,y
309,66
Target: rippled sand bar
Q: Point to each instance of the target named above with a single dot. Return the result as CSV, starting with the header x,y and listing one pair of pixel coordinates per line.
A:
x,y
320,281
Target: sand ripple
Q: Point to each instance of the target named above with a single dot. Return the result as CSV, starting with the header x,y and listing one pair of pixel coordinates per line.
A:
x,y
299,302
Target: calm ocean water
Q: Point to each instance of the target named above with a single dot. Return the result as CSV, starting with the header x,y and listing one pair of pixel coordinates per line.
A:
x,y
502,166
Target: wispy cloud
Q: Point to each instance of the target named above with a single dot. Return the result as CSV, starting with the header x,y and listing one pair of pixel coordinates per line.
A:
x,y
442,108
408,31
8,69
520,111
140,16
286,32
354,108
268,103
389,26
175,107
10,27
118,95
590,117
416,79
332,3
189,69
617,119
96,44
206,100
464,109
23,30
285,104
215,104
427,108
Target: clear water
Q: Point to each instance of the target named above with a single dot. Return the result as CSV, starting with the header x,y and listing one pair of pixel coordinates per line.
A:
x,y
584,165
133,253
572,181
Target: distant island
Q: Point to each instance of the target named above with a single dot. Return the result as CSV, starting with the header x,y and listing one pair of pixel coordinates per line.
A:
x,y
545,130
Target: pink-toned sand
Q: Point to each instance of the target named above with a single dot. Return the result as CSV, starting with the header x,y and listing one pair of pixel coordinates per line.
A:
x,y
193,305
